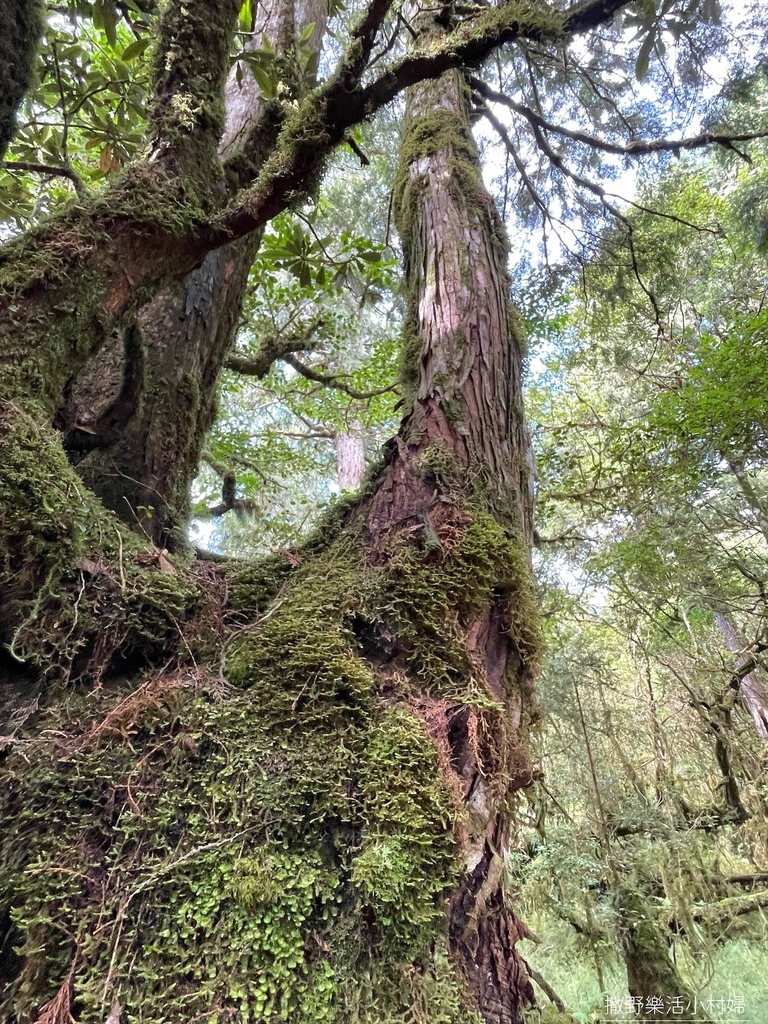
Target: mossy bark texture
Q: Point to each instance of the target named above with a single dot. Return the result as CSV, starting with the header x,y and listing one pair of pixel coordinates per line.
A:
x,y
21,22
651,973
144,471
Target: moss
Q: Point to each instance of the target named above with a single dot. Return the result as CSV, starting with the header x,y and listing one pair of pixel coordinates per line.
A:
x,y
21,23
429,598
439,462
71,577
283,853
266,854
404,802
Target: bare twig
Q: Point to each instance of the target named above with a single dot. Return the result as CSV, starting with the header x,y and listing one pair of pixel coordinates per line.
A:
x,y
634,147
330,381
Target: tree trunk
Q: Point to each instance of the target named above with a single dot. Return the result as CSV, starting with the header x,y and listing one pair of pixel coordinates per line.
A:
x,y
350,457
461,466
652,976
751,687
141,464
21,22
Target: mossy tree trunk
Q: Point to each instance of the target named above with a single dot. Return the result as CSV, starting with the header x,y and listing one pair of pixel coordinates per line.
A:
x,y
652,975
305,816
140,456
461,463
21,22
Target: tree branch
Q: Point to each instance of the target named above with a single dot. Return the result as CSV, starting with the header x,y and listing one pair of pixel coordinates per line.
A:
x,y
632,149
62,172
330,381
322,121
272,349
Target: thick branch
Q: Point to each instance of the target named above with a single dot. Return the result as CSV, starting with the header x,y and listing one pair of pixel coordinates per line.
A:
x,y
591,14
323,120
155,221
191,66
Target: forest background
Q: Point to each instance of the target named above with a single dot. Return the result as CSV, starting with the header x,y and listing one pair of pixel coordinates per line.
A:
x,y
630,171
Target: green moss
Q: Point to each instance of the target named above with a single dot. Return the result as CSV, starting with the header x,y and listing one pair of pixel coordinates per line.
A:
x,y
284,853
21,22
428,596
268,855
408,856
69,572
439,462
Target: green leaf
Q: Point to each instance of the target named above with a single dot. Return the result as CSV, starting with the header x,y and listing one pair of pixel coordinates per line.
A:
x,y
135,49
644,57
245,17
306,33
264,81
110,23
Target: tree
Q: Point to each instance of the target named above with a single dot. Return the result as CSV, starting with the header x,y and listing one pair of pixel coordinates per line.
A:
x,y
282,789
652,548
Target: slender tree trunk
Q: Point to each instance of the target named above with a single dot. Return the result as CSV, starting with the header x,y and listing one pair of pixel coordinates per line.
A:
x,y
652,975
350,457
751,686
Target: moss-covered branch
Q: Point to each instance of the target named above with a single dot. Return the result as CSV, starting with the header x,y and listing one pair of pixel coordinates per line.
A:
x,y
71,280
186,115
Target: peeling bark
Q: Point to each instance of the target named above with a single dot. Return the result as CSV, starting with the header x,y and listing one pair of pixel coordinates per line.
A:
x,y
464,432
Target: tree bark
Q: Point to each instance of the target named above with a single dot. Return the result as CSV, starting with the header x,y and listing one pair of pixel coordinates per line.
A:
x,y
350,457
751,686
463,453
21,22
